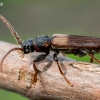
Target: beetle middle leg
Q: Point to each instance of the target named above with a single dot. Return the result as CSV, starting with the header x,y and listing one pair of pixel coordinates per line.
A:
x,y
56,59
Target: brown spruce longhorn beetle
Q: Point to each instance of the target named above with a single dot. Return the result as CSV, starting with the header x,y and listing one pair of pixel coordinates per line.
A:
x,y
69,44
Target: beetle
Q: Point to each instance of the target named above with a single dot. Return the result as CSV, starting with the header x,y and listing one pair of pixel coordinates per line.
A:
x,y
68,44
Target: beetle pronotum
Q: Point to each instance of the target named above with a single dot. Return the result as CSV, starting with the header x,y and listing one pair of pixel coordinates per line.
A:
x,y
69,44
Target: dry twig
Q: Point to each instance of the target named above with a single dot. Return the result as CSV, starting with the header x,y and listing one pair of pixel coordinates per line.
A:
x,y
17,74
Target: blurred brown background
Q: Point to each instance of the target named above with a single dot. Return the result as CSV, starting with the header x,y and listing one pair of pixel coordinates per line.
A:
x,y
47,17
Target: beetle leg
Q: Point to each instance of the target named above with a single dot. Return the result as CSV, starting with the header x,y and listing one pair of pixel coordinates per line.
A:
x,y
91,59
92,56
56,60
37,59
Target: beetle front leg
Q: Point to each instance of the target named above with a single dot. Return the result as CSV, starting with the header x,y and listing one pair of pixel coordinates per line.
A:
x,y
56,60
37,59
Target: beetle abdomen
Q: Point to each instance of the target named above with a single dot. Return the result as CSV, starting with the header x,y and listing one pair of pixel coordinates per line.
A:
x,y
61,41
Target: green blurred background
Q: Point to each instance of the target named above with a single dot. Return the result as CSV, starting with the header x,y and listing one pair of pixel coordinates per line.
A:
x,y
47,17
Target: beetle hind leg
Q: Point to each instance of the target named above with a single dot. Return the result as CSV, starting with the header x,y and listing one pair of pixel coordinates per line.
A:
x,y
92,57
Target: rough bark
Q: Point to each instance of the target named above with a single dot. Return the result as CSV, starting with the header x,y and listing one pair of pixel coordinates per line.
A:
x,y
51,85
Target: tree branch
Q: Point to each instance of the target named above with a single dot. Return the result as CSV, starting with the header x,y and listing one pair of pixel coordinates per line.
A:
x,y
17,75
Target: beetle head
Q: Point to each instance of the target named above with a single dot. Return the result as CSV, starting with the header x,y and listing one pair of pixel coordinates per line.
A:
x,y
28,46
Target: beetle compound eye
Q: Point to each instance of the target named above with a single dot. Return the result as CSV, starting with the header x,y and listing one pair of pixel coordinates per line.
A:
x,y
26,49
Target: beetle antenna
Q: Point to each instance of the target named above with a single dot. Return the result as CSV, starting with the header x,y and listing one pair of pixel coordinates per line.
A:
x,y
12,30
7,54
